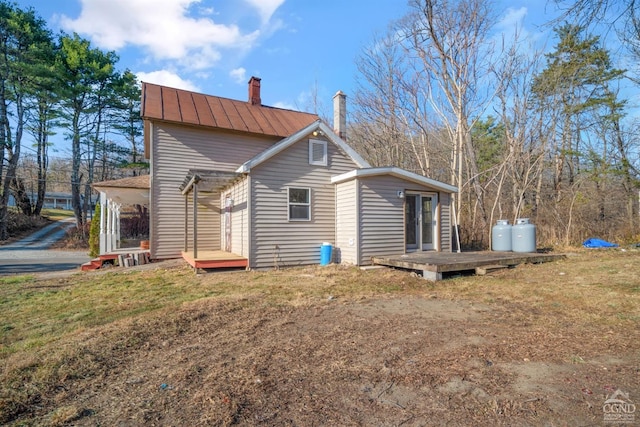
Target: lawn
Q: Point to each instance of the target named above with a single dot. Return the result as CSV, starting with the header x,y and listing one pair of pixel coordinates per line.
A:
x,y
534,345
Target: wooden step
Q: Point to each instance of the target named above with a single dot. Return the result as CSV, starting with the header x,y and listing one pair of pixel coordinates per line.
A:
x,y
94,264
486,269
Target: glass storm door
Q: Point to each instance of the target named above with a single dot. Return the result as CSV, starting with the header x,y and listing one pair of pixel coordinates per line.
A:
x,y
428,221
420,221
411,221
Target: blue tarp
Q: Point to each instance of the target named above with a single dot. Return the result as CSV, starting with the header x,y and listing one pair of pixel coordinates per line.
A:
x,y
598,243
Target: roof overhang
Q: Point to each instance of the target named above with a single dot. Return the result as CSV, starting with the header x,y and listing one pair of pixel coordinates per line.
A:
x,y
126,191
396,172
208,181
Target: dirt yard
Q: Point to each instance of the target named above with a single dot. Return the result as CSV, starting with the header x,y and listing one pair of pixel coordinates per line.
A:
x,y
467,351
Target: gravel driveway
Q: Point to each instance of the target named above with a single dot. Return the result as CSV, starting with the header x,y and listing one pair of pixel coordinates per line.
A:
x,y
33,254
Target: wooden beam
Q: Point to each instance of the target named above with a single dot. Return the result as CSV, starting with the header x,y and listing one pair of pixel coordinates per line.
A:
x,y
195,220
186,222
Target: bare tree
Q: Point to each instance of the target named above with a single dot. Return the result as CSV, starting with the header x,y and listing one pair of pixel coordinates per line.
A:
x,y
520,168
377,102
451,40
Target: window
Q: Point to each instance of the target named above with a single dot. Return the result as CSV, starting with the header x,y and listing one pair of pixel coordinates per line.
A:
x,y
299,204
317,152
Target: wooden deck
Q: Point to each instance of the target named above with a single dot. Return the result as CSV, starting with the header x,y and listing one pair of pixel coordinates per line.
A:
x,y
434,264
215,259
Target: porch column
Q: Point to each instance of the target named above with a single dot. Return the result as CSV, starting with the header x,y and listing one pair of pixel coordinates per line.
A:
x,y
107,226
117,226
110,227
195,221
103,218
186,222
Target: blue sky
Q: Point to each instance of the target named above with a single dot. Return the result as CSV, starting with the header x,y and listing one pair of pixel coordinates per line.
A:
x,y
214,46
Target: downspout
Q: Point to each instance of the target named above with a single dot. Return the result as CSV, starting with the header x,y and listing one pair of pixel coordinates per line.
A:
x,y
455,224
152,208
358,230
249,222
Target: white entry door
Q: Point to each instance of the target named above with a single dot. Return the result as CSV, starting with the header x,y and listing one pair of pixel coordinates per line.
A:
x,y
421,223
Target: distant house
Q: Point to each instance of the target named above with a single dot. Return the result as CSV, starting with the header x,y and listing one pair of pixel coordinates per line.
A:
x,y
237,183
52,200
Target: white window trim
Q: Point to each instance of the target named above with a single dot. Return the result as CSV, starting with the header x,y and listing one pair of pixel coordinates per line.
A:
x,y
325,156
289,204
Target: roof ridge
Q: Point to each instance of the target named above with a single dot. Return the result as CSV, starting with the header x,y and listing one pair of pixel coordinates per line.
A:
x,y
169,104
229,99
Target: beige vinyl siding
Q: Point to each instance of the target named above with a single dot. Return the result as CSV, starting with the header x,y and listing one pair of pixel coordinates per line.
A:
x,y
445,222
175,150
382,227
275,240
347,230
239,217
208,208
381,217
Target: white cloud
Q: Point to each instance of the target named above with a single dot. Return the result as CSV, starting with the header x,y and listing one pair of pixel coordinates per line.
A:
x,y
239,75
266,8
512,18
165,28
285,105
512,29
167,78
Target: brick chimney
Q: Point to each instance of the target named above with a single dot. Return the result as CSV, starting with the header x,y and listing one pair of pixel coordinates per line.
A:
x,y
254,91
340,114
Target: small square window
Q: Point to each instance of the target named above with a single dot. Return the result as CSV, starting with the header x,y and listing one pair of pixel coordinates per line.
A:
x,y
317,152
299,202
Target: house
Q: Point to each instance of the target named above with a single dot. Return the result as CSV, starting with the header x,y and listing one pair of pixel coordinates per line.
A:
x,y
238,183
115,194
52,200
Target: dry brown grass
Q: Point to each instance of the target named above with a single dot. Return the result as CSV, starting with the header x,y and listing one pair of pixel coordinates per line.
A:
x,y
317,346
19,225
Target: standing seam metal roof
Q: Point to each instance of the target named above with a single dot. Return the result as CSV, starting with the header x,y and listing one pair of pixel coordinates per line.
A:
x,y
181,106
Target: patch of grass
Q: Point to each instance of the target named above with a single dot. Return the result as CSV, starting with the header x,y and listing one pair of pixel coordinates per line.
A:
x,y
57,214
43,311
595,286
43,320
12,280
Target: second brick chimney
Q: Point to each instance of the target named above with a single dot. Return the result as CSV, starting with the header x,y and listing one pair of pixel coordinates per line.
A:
x,y
254,91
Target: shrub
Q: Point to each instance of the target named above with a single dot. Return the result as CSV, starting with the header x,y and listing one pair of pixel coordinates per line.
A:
x,y
94,234
19,224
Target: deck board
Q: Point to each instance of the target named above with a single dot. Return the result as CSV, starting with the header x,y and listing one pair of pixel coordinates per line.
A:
x,y
215,259
447,262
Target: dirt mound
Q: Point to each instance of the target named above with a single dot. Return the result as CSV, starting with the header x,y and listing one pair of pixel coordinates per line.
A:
x,y
409,361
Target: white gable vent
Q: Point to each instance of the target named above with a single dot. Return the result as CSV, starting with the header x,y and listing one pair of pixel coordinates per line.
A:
x,y
317,152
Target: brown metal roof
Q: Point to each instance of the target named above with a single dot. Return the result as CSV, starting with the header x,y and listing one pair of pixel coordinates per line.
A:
x,y
141,182
181,106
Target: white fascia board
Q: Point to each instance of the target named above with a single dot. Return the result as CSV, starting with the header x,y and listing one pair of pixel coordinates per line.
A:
x,y
362,163
318,125
280,146
397,172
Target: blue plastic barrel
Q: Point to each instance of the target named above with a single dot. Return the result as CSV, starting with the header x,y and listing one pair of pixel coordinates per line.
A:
x,y
326,251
